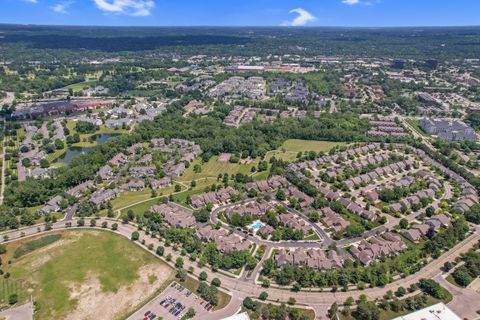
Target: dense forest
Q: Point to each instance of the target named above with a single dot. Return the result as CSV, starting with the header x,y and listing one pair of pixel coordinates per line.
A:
x,y
214,137
81,42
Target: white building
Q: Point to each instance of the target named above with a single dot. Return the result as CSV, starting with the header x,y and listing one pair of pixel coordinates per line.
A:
x,y
438,311
240,316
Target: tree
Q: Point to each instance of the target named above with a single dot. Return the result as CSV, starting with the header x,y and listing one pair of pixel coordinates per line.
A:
x,y
13,298
135,236
432,288
281,195
160,250
263,296
400,292
178,188
216,282
114,226
202,215
85,127
190,313
202,276
249,304
314,216
59,145
447,266
179,262
473,215
367,311
403,223
44,163
291,301
332,312
462,277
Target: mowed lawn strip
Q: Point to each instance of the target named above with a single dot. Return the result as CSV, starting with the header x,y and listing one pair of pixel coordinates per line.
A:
x,y
213,168
290,148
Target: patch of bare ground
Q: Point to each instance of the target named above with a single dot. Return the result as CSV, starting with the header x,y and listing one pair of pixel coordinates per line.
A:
x,y
94,303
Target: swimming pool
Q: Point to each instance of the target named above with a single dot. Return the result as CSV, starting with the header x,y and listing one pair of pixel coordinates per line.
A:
x,y
256,225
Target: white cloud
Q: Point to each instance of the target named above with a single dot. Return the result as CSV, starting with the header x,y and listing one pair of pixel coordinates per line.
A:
x,y
31,1
354,2
131,7
303,17
61,7
350,2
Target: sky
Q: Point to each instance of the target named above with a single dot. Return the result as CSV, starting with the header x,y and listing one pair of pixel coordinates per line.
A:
x,y
295,13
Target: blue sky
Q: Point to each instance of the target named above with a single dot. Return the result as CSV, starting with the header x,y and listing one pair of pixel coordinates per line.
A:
x,y
371,13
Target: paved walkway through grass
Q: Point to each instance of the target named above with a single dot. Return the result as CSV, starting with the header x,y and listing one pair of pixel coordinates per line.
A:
x,y
23,312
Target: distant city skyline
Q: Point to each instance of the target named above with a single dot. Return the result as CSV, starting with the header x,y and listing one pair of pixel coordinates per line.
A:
x,y
347,13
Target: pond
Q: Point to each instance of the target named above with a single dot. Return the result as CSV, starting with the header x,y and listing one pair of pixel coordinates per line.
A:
x,y
75,151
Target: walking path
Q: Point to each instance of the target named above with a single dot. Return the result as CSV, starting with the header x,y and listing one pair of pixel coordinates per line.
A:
x,y
240,289
23,312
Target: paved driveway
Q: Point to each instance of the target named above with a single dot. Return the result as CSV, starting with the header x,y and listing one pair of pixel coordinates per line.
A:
x,y
23,312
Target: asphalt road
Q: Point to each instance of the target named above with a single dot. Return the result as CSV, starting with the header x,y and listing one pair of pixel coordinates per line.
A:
x,y
240,289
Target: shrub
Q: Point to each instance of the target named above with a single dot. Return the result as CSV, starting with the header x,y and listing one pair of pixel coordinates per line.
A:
x,y
135,236
35,244
216,282
263,296
13,298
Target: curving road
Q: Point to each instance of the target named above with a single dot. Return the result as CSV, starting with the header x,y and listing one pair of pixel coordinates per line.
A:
x,y
240,288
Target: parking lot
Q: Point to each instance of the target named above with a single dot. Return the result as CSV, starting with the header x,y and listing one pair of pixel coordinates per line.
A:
x,y
173,303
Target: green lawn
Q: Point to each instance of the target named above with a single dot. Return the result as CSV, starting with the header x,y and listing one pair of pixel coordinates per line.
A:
x,y
192,284
79,86
141,207
54,155
180,197
59,270
290,148
416,126
130,197
9,287
312,236
213,168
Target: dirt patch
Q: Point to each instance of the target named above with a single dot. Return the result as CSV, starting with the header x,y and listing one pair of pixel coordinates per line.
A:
x,y
93,303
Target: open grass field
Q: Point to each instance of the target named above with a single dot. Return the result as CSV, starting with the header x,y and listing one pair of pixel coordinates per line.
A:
x,y
290,148
87,275
129,199
213,168
180,197
81,85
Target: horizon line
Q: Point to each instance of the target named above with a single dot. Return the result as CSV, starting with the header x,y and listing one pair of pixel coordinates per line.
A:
x,y
237,26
